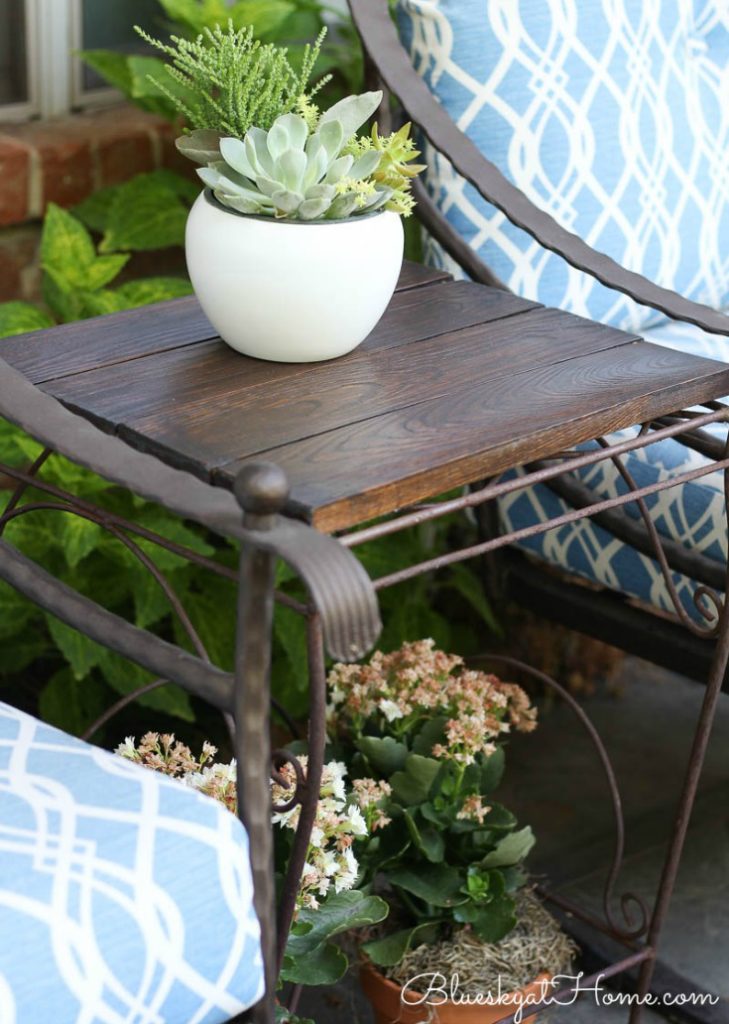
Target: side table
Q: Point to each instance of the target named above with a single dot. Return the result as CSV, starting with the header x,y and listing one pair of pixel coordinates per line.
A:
x,y
458,383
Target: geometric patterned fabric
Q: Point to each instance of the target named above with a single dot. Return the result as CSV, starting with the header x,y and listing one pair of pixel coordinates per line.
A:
x,y
612,115
125,897
692,514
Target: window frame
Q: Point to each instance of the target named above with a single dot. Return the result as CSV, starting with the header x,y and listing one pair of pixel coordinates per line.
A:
x,y
53,31
23,110
80,98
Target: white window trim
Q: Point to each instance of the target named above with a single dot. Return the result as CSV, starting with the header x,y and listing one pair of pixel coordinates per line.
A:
x,y
54,73
50,55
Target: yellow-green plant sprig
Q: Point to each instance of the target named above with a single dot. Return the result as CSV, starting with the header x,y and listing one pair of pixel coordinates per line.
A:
x,y
396,169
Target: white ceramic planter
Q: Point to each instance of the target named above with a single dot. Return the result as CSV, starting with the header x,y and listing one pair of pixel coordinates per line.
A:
x,y
292,291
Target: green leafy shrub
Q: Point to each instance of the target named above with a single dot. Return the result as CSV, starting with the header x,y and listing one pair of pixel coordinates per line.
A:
x,y
146,213
76,278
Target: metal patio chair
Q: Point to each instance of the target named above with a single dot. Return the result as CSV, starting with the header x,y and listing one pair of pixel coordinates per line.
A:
x,y
553,132
123,893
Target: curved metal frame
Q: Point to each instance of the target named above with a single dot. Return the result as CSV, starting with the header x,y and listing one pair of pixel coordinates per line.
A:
x,y
245,695
611,927
342,611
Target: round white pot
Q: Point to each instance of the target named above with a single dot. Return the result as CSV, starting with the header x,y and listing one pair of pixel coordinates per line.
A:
x,y
292,291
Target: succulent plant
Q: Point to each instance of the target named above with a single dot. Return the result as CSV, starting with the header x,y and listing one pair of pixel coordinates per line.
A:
x,y
396,168
288,172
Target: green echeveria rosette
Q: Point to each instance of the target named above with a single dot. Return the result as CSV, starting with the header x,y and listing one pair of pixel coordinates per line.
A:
x,y
288,172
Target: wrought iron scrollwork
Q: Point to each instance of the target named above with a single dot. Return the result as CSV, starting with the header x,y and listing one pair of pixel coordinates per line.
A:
x,y
279,759
709,611
632,928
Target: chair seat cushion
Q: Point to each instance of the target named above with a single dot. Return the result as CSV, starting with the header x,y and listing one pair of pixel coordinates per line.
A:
x,y
692,514
124,896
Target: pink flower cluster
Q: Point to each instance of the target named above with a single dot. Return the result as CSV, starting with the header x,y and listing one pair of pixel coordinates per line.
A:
x,y
369,795
163,753
473,809
400,690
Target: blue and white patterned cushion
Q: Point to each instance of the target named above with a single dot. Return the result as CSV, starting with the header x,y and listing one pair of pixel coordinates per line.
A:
x,y
125,897
692,514
613,115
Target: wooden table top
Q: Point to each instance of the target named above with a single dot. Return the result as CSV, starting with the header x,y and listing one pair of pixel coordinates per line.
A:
x,y
456,383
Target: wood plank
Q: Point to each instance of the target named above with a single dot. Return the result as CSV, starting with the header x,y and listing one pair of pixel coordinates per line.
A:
x,y
209,381
372,468
416,275
109,340
367,385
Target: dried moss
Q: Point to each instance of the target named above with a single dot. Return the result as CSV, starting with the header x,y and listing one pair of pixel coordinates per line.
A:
x,y
536,945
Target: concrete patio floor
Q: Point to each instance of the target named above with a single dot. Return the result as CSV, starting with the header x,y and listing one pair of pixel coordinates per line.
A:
x,y
554,782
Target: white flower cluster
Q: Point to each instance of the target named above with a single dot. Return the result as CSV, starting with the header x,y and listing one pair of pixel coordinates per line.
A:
x,y
330,861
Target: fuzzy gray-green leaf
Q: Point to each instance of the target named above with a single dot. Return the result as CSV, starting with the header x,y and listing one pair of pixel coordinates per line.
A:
x,y
290,169
233,151
202,146
339,168
352,112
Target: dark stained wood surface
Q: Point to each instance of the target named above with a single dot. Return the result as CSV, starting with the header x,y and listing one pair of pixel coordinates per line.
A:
x,y
164,326
457,382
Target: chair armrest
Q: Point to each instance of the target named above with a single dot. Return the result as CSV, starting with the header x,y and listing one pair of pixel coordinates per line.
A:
x,y
380,39
338,585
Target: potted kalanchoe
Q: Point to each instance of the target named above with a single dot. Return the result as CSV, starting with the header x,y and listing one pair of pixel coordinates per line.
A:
x,y
328,901
295,246
428,734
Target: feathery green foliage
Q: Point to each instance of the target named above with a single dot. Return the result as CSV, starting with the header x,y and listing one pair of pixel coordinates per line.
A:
x,y
227,81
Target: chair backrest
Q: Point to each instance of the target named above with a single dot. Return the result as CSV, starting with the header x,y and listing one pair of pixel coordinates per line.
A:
x,y
612,115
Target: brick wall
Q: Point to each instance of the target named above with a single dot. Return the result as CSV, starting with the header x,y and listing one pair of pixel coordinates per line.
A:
x,y
63,161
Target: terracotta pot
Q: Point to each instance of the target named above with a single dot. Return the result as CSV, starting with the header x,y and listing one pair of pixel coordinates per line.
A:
x,y
385,997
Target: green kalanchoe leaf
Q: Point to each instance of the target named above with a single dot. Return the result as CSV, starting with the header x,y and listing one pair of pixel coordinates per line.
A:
x,y
438,884
512,849
389,951
386,755
412,785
